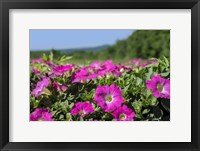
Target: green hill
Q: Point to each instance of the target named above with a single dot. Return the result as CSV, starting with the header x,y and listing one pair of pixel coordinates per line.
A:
x,y
143,44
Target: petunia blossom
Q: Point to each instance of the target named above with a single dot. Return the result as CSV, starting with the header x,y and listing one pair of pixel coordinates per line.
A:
x,y
160,86
41,85
95,65
41,114
136,61
149,62
82,75
96,69
123,113
49,63
35,71
122,68
108,97
106,67
109,68
58,86
59,70
40,60
82,109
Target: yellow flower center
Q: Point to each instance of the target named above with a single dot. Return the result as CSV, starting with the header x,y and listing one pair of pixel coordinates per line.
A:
x,y
90,70
159,87
122,116
81,112
108,98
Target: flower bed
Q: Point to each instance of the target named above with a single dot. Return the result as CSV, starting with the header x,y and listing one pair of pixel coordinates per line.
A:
x,y
138,90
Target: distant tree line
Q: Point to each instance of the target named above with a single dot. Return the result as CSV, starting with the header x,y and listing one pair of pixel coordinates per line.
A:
x,y
140,44
143,44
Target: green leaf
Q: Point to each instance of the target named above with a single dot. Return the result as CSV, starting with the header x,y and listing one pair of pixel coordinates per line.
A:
x,y
166,104
45,57
157,112
68,58
137,117
165,74
36,103
153,101
63,59
138,81
61,117
145,111
166,118
81,118
149,73
51,56
46,91
137,106
147,93
71,105
166,62
68,117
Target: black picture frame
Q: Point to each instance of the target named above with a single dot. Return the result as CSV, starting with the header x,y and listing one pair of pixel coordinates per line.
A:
x,y
5,5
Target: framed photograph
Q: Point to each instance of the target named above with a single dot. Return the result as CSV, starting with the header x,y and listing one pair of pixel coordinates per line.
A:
x,y
99,75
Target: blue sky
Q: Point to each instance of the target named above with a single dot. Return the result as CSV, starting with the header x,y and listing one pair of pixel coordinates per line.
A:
x,y
64,39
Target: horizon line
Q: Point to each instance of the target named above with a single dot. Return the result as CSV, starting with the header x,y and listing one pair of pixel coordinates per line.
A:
x,y
59,49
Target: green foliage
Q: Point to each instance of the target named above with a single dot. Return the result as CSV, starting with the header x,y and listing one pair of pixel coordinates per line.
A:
x,y
149,43
132,83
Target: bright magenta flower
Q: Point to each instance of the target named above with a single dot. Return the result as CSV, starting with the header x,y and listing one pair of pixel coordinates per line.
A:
x,y
160,87
108,67
49,63
40,60
35,71
148,63
108,97
82,75
136,61
95,65
122,68
41,114
82,109
95,70
59,87
123,114
41,85
59,70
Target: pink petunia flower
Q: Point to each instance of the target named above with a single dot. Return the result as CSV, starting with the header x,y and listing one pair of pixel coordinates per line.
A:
x,y
59,70
82,109
40,60
160,87
123,114
108,97
136,61
41,85
41,114
59,87
95,65
106,67
35,71
96,69
82,75
122,68
50,63
149,62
